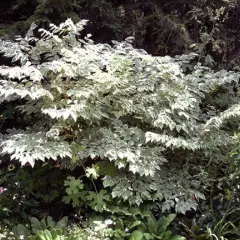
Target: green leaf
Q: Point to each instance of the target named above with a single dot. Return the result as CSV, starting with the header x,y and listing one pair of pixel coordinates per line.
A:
x,y
164,222
43,224
92,172
47,234
134,224
74,185
148,236
152,225
119,224
35,224
160,237
54,233
135,211
59,231
143,227
40,234
21,230
74,198
31,238
136,235
62,223
50,222
98,201
146,213
177,237
166,235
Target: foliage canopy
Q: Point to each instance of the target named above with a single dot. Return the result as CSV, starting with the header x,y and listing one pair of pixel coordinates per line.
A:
x,y
140,119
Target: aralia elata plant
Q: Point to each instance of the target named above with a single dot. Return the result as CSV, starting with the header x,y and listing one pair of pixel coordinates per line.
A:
x,y
137,118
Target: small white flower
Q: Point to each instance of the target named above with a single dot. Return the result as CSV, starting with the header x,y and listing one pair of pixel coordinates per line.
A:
x,y
108,222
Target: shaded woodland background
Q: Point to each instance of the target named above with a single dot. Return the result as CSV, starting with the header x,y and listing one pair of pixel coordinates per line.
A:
x,y
209,27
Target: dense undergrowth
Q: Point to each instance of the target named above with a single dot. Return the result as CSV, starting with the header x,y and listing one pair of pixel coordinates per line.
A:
x,y
125,144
